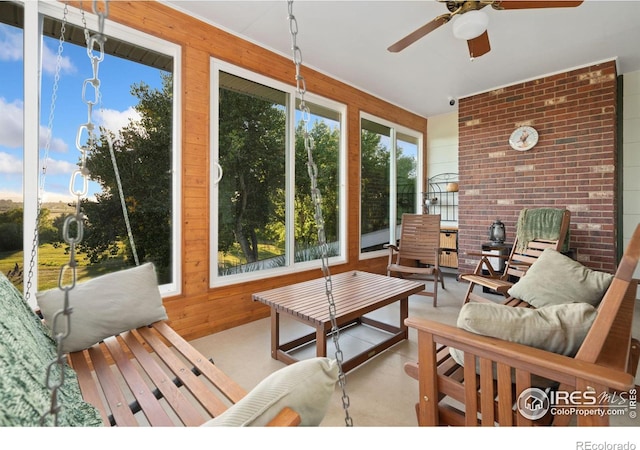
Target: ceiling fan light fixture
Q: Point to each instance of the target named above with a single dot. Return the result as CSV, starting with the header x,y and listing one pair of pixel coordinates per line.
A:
x,y
470,25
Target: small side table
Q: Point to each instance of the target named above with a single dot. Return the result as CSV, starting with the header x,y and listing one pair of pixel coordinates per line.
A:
x,y
501,250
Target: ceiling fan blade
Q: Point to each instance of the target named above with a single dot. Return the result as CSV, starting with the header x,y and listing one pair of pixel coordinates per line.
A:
x,y
479,46
420,32
524,4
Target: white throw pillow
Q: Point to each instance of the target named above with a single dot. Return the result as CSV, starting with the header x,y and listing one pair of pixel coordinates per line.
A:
x,y
554,279
106,305
555,328
305,386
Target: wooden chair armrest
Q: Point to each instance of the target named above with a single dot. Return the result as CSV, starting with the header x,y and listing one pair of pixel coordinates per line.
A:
x,y
488,255
411,369
552,366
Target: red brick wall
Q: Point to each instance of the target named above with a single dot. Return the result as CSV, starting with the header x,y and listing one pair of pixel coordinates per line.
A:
x,y
573,165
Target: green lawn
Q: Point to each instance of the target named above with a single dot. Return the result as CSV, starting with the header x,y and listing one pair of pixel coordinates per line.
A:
x,y
51,259
235,257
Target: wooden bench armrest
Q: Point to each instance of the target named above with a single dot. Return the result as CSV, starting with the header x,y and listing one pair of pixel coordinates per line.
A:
x,y
553,366
285,418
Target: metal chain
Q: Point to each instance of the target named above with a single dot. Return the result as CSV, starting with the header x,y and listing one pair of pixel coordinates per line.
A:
x,y
316,197
78,187
123,206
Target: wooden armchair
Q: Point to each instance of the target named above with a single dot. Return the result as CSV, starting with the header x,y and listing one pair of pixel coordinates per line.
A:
x,y
418,253
522,255
496,372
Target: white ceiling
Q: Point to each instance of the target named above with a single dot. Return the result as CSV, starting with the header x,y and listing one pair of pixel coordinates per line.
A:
x,y
348,40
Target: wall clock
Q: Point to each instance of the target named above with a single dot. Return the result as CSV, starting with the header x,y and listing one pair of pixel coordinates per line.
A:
x,y
523,138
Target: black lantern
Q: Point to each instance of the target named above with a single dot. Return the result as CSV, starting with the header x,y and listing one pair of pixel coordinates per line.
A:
x,y
497,233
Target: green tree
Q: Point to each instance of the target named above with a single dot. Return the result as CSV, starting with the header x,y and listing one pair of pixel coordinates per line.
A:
x,y
47,230
375,171
406,181
11,230
143,151
252,153
325,155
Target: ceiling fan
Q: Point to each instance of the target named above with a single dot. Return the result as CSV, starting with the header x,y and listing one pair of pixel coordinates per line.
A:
x,y
471,25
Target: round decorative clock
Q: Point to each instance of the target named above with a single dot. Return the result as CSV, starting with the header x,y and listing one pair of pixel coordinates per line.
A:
x,y
523,138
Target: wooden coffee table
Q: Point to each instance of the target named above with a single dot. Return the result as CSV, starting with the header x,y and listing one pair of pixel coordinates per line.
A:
x,y
355,294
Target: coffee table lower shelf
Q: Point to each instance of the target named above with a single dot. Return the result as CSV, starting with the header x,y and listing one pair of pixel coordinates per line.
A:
x,y
285,351
355,294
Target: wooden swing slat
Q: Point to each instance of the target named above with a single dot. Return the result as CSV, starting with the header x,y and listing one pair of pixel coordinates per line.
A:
x,y
87,384
232,390
143,395
115,398
211,403
170,392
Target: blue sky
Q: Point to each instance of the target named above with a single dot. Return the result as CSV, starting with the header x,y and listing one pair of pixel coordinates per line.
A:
x,y
116,77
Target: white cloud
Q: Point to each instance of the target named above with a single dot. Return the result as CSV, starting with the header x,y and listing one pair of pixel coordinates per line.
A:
x,y
10,44
58,197
15,196
114,120
59,167
11,50
47,196
10,164
49,61
56,144
11,123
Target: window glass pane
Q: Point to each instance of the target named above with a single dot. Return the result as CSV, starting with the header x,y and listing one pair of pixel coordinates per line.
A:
x,y
134,109
11,144
406,175
324,129
375,147
251,195
390,181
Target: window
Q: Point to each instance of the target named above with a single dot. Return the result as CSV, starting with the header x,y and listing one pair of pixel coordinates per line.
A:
x,y
390,171
11,143
137,70
262,216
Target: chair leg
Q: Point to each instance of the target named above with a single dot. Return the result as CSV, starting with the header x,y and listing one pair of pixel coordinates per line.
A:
x,y
469,291
435,290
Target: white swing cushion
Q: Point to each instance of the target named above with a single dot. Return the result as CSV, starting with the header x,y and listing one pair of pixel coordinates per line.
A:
x,y
305,386
106,306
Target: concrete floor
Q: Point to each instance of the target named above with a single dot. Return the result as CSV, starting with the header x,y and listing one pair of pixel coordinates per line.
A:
x,y
380,393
